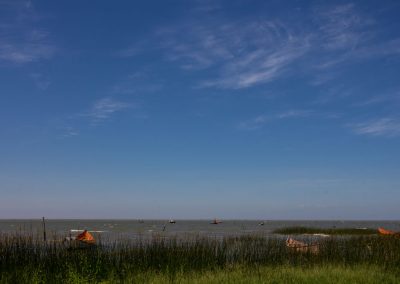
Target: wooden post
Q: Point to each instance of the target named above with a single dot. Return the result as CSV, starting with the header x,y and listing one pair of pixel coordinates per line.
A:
x,y
44,229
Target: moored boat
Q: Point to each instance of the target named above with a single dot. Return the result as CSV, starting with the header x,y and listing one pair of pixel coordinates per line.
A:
x,y
82,240
385,232
299,246
85,237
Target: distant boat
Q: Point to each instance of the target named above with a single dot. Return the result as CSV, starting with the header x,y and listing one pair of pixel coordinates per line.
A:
x,y
82,240
215,222
172,221
383,231
302,247
85,237
261,224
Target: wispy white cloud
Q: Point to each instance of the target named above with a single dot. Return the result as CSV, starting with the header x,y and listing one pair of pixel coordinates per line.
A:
x,y
243,54
341,31
392,97
258,67
70,131
363,51
378,127
202,49
341,27
25,50
346,35
261,120
104,108
99,112
383,48
255,123
294,113
21,41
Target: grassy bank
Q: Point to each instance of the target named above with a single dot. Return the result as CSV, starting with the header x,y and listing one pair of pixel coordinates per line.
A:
x,y
263,274
328,231
242,259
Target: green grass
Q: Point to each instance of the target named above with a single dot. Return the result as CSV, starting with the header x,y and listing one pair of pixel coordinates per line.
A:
x,y
263,274
251,259
330,231
284,274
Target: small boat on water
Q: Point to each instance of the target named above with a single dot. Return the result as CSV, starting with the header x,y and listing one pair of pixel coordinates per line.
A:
x,y
216,222
261,224
385,232
85,237
82,240
299,246
172,221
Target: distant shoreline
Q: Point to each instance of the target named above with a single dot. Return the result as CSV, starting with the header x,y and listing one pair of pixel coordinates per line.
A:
x,y
205,219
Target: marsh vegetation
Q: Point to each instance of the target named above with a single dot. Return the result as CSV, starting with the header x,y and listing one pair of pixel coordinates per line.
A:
x,y
26,259
326,231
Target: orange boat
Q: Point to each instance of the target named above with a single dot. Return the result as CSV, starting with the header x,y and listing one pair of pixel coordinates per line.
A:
x,y
85,237
383,231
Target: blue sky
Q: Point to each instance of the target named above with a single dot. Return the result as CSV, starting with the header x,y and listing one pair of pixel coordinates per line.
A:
x,y
200,109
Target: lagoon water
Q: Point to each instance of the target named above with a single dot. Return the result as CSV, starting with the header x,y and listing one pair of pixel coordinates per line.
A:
x,y
133,229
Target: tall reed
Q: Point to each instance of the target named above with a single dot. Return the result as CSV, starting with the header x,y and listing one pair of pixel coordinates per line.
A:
x,y
54,261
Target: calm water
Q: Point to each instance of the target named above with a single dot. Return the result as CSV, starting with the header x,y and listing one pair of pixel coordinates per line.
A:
x,y
131,229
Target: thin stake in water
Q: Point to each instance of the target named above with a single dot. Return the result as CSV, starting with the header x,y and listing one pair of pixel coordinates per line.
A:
x,y
44,229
